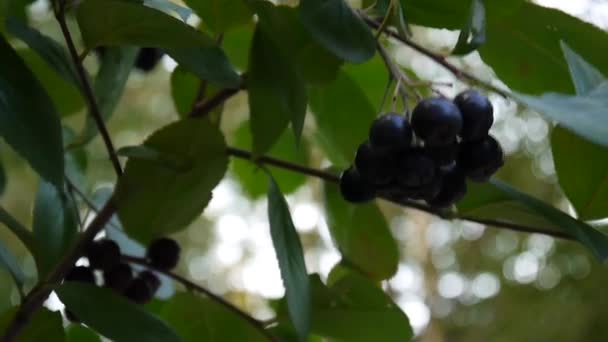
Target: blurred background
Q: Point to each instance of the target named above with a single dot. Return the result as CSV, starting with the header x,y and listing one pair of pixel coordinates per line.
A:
x,y
457,281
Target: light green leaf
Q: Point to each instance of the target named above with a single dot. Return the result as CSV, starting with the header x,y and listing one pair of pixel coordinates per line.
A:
x,y
127,23
361,234
277,93
248,174
595,241
197,318
78,333
585,76
173,198
28,121
354,301
290,255
3,179
184,89
170,6
45,325
237,44
336,27
10,263
22,233
112,315
55,224
343,115
473,34
221,15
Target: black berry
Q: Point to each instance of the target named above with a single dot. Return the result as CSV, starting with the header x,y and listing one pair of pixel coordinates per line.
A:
x,y
354,188
391,130
416,169
481,159
437,121
70,316
163,253
453,189
147,58
477,114
444,155
151,279
118,278
376,166
82,274
139,291
103,254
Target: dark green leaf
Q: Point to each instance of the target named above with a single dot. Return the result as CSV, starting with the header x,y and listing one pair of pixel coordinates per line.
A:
x,y
22,233
354,301
277,93
289,252
585,234
173,198
146,153
55,224
66,97
109,86
221,15
237,44
343,114
585,76
113,316
10,263
49,50
44,326
473,34
361,234
131,24
583,115
196,318
184,89
78,333
248,174
2,178
336,27
28,121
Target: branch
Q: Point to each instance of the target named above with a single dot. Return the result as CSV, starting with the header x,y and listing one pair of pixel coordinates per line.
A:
x,y
330,177
194,287
204,107
439,59
88,90
34,300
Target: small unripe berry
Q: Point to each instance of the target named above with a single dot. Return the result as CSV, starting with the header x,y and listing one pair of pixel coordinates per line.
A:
x,y
163,253
477,114
354,188
391,131
118,278
437,121
103,254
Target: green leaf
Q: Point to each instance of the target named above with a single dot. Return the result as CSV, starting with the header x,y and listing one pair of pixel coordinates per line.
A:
x,y
169,6
113,316
343,115
595,241
581,165
336,27
289,252
583,115
3,179
22,233
197,318
473,34
361,234
49,50
45,325
172,198
524,48
448,14
585,76
131,24
78,333
145,153
10,263
237,44
66,97
354,301
371,77
109,86
28,121
277,93
184,89
221,15
248,173
55,224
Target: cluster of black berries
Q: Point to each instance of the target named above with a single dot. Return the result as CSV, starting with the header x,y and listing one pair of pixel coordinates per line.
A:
x,y
104,255
451,144
146,60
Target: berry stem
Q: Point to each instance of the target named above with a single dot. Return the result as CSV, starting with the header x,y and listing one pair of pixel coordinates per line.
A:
x,y
87,89
197,288
439,59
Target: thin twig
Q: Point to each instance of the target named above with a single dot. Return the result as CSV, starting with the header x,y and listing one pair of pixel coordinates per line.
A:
x,y
439,59
330,177
204,107
194,287
40,293
88,90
